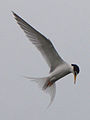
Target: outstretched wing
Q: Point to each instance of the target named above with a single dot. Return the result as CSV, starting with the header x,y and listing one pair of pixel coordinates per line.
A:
x,y
43,44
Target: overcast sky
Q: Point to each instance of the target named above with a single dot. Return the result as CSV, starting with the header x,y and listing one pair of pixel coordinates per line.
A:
x,y
67,24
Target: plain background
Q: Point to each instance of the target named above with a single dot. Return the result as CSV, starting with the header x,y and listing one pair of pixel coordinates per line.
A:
x,y
67,24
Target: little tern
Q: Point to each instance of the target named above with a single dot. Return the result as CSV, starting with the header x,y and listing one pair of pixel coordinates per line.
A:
x,y
58,67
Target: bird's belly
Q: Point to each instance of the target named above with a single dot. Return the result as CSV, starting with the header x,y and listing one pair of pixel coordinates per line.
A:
x,y
59,73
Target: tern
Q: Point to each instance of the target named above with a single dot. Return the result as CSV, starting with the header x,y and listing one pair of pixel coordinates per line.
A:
x,y
58,67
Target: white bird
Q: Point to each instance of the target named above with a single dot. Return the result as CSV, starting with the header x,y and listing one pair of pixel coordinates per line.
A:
x,y
58,67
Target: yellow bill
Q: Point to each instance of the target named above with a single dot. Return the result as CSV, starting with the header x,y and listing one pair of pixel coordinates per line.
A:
x,y
74,78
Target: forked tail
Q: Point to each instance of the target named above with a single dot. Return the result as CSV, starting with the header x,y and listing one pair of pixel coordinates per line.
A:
x,y
46,85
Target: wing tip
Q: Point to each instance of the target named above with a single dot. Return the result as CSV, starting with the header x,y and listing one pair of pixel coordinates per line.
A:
x,y
14,13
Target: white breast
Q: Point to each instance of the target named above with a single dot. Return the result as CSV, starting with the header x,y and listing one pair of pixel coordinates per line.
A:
x,y
61,71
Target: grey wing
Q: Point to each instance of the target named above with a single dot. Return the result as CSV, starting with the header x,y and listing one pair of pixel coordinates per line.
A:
x,y
43,44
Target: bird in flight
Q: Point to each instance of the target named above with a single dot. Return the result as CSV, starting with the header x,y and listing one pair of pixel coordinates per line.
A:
x,y
58,67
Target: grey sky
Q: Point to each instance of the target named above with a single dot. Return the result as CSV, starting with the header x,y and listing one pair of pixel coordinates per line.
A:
x,y
67,24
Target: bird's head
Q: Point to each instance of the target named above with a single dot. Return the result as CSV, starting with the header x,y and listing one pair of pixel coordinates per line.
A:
x,y
76,71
